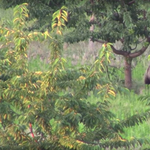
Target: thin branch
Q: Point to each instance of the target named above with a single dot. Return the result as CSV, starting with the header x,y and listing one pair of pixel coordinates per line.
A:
x,y
134,47
141,51
138,53
30,127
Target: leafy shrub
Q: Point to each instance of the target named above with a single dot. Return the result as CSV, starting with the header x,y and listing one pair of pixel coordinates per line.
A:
x,y
48,110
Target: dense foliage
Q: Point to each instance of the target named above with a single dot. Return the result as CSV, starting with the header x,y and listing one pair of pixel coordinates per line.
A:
x,y
124,21
40,12
49,110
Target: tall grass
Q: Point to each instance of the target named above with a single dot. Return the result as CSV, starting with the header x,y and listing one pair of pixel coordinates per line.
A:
x,y
126,105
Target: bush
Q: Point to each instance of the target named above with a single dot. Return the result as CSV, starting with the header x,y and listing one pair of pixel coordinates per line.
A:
x,y
48,110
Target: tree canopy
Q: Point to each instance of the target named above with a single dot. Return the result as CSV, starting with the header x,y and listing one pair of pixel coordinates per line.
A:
x,y
124,21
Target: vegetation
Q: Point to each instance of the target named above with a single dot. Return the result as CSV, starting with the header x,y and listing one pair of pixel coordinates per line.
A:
x,y
124,21
40,12
61,107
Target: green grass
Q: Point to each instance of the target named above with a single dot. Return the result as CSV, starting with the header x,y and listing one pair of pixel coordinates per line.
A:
x,y
37,64
126,105
139,71
6,18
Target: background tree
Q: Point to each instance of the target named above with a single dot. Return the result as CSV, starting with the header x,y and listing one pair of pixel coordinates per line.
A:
x,y
124,21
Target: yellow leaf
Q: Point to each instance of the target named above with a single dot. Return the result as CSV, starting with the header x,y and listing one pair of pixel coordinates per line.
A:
x,y
51,89
78,141
34,85
112,93
64,17
96,61
26,85
104,45
38,72
38,81
25,4
7,33
98,86
59,32
5,116
121,139
54,25
81,78
17,19
26,15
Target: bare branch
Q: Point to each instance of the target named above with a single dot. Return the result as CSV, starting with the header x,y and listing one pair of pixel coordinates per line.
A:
x,y
134,47
138,53
141,51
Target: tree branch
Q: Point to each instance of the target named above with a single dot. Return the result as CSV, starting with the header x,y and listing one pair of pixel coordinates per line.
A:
x,y
131,55
141,51
119,52
138,53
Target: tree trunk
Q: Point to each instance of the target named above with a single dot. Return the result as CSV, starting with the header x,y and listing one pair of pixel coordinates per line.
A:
x,y
128,60
128,72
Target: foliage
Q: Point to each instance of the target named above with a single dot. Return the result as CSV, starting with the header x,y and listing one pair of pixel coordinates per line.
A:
x,y
59,19
114,20
123,21
129,17
40,12
49,110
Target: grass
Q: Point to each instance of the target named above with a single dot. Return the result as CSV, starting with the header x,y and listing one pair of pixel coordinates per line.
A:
x,y
37,64
6,18
126,105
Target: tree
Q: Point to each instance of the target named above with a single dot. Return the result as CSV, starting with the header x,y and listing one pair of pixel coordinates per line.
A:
x,y
48,110
124,21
